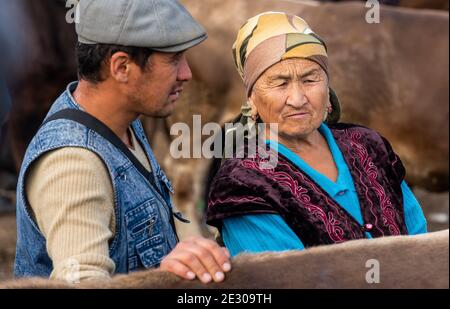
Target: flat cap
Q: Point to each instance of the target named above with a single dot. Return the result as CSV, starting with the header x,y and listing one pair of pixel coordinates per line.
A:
x,y
162,25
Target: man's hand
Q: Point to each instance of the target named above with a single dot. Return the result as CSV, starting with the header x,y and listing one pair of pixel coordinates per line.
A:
x,y
198,257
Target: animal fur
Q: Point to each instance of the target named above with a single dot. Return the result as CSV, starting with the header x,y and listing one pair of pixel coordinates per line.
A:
x,y
405,262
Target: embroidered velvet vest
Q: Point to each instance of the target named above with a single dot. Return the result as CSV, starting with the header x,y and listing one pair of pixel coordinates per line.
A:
x,y
242,187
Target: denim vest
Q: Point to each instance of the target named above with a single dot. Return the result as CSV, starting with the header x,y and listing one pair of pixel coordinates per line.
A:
x,y
144,233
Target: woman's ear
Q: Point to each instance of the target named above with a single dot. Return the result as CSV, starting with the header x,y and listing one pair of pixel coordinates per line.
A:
x,y
254,109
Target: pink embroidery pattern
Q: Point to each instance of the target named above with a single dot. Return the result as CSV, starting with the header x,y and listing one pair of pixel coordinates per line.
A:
x,y
235,200
388,212
332,224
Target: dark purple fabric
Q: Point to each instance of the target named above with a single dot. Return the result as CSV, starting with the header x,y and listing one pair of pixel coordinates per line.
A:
x,y
241,187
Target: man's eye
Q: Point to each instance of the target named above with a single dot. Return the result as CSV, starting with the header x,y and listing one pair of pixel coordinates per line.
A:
x,y
309,81
177,58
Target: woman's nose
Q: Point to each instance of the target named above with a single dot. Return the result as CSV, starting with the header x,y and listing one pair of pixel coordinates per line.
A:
x,y
296,96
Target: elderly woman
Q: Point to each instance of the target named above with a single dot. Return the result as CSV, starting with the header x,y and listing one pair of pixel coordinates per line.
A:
x,y
333,182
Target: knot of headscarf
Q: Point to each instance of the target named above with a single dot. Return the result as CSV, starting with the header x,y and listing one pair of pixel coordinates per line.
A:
x,y
271,37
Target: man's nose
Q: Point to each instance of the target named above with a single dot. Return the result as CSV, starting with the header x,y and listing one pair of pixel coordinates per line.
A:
x,y
184,71
296,96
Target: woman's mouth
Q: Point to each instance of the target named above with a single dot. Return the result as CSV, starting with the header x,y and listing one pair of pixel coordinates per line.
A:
x,y
297,115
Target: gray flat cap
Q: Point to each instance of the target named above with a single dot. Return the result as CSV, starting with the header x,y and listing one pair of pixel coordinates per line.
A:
x,y
162,25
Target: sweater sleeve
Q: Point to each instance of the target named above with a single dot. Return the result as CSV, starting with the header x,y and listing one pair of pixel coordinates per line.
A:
x,y
71,196
414,217
258,233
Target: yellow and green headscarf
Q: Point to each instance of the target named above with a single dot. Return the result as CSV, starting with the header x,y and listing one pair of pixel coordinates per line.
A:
x,y
271,37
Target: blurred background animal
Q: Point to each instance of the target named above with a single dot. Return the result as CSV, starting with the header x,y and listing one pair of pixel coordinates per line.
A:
x,y
393,78
384,80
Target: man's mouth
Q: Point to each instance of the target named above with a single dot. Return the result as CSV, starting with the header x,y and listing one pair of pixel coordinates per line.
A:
x,y
176,93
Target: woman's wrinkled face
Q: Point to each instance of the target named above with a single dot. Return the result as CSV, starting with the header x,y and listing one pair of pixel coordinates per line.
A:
x,y
293,93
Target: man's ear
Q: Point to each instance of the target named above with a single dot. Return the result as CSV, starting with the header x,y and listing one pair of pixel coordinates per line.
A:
x,y
119,67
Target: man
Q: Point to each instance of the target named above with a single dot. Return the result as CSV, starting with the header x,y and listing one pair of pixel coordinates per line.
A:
x,y
91,199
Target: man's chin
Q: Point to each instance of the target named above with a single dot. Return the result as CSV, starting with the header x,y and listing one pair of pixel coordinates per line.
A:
x,y
166,111
159,115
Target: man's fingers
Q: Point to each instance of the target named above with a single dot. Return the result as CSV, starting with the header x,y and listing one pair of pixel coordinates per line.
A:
x,y
191,257
207,259
221,255
203,257
226,252
178,268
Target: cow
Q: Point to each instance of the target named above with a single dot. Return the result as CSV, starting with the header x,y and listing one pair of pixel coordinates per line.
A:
x,y
42,44
425,4
382,73
388,262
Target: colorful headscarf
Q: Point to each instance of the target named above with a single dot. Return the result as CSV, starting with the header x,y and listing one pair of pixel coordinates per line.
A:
x,y
271,37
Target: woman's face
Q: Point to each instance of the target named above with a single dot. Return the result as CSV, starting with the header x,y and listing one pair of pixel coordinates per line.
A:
x,y
293,93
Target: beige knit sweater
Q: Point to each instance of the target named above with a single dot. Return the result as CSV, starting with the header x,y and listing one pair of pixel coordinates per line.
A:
x,y
71,196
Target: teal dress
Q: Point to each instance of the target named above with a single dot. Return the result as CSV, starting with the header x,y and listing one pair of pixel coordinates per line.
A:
x,y
269,232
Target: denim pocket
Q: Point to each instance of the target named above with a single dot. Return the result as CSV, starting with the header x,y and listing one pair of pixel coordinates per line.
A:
x,y
151,251
142,221
143,233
